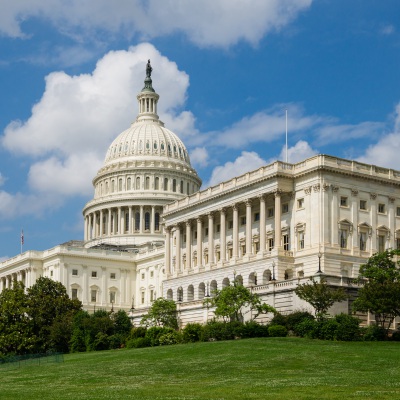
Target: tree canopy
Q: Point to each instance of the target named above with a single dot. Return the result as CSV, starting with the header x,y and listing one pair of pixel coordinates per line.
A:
x,y
380,294
161,313
320,295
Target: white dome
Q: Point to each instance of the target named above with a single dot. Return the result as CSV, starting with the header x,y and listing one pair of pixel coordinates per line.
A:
x,y
146,140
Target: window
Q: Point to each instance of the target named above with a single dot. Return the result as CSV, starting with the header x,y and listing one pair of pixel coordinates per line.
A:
x,y
74,272
142,275
51,273
138,183
157,222
112,275
74,294
343,201
181,185
381,243
363,204
218,228
137,221
270,244
128,184
157,183
301,240
256,217
94,274
363,241
300,203
243,220
381,208
112,186
147,221
187,188
398,211
230,224
126,221
270,212
142,297
151,295
166,184
285,208
174,185
398,243
93,295
286,245
343,234
151,274
147,183
112,297
120,185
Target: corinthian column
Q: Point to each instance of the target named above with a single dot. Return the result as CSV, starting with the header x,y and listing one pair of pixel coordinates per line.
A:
x,y
248,227
235,233
199,242
262,224
278,212
211,238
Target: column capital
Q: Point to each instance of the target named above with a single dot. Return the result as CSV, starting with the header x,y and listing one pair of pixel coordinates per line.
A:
x,y
248,202
199,220
210,215
188,222
335,188
278,193
235,207
262,197
222,210
392,199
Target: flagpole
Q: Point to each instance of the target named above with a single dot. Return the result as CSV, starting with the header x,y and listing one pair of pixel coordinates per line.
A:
x,y
22,239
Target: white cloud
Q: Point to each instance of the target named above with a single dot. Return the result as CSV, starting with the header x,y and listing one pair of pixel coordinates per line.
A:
x,y
206,23
199,156
2,179
247,161
299,152
388,29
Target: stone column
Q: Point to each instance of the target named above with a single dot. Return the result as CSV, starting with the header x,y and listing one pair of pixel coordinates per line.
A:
x,y
235,233
248,228
222,235
85,231
104,296
85,287
152,222
109,222
141,219
334,224
97,231
392,218
199,242
101,223
211,238
354,215
278,215
373,223
262,224
130,220
168,250
119,227
188,244
178,261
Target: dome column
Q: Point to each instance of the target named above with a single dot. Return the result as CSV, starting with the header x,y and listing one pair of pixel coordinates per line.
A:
x,y
199,242
262,224
101,223
130,220
109,222
168,250
222,234
153,221
141,230
188,245
119,224
278,211
178,249
248,227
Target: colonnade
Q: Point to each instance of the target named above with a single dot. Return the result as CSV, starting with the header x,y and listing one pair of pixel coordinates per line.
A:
x,y
23,275
218,252
122,220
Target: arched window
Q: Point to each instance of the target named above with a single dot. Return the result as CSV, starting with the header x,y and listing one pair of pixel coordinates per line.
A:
x,y
128,184
157,222
112,186
147,145
225,282
138,183
147,183
213,288
181,187
120,185
190,293
157,183
202,291
174,185
126,221
170,294
147,221
162,146
187,188
166,184
137,221
106,187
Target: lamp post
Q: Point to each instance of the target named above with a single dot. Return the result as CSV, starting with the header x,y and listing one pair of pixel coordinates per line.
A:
x,y
112,306
273,271
319,262
132,309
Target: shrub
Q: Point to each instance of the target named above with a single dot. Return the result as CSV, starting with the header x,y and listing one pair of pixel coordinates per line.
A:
x,y
101,342
348,327
277,331
138,332
153,334
295,318
137,343
214,330
374,333
192,332
117,341
252,329
396,336
171,337
278,319
327,329
307,328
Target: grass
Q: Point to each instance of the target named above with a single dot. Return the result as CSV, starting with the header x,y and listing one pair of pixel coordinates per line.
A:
x,y
270,368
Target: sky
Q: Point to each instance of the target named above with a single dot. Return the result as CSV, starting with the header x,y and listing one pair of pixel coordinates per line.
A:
x,y
225,70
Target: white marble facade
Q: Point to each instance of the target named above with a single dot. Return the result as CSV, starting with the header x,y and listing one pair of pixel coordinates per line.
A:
x,y
150,232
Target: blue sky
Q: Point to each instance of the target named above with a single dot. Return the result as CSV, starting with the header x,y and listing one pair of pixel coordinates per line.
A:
x,y
225,70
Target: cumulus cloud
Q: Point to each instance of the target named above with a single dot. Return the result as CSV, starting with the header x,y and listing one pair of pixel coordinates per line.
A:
x,y
78,117
199,156
206,23
246,162
299,152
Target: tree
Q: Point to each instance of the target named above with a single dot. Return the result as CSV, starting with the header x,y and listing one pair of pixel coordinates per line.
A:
x,y
47,302
231,301
162,313
320,295
380,294
16,334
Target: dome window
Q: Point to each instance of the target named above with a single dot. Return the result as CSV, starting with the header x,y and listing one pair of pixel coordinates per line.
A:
x,y
165,184
155,145
138,183
147,183
174,185
157,183
162,146
175,149
157,222
180,152
137,221
140,145
147,145
120,148
128,184
147,221
169,148
126,147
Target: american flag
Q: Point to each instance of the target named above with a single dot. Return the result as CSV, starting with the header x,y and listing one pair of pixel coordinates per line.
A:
x,y
22,237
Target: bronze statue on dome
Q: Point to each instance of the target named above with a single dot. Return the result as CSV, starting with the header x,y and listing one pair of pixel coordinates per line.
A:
x,y
148,69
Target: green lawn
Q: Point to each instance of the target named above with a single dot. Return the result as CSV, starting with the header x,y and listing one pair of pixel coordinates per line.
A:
x,y
270,368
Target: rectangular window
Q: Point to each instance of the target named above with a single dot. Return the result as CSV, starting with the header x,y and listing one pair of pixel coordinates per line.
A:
x,y
206,232
112,275
270,212
270,244
94,274
74,294
93,295
343,201
343,238
398,211
256,217
256,247
381,208
363,241
398,243
301,240
285,208
230,253
243,220
151,295
151,274
74,272
300,203
112,297
218,228
381,243
51,273
286,245
230,224
142,276
363,204
142,298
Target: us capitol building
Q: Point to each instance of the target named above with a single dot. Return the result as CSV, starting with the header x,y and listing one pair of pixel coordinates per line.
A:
x,y
151,232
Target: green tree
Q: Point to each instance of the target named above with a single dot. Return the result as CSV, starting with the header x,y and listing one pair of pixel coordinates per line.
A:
x,y
320,295
161,313
232,302
48,302
16,333
380,294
